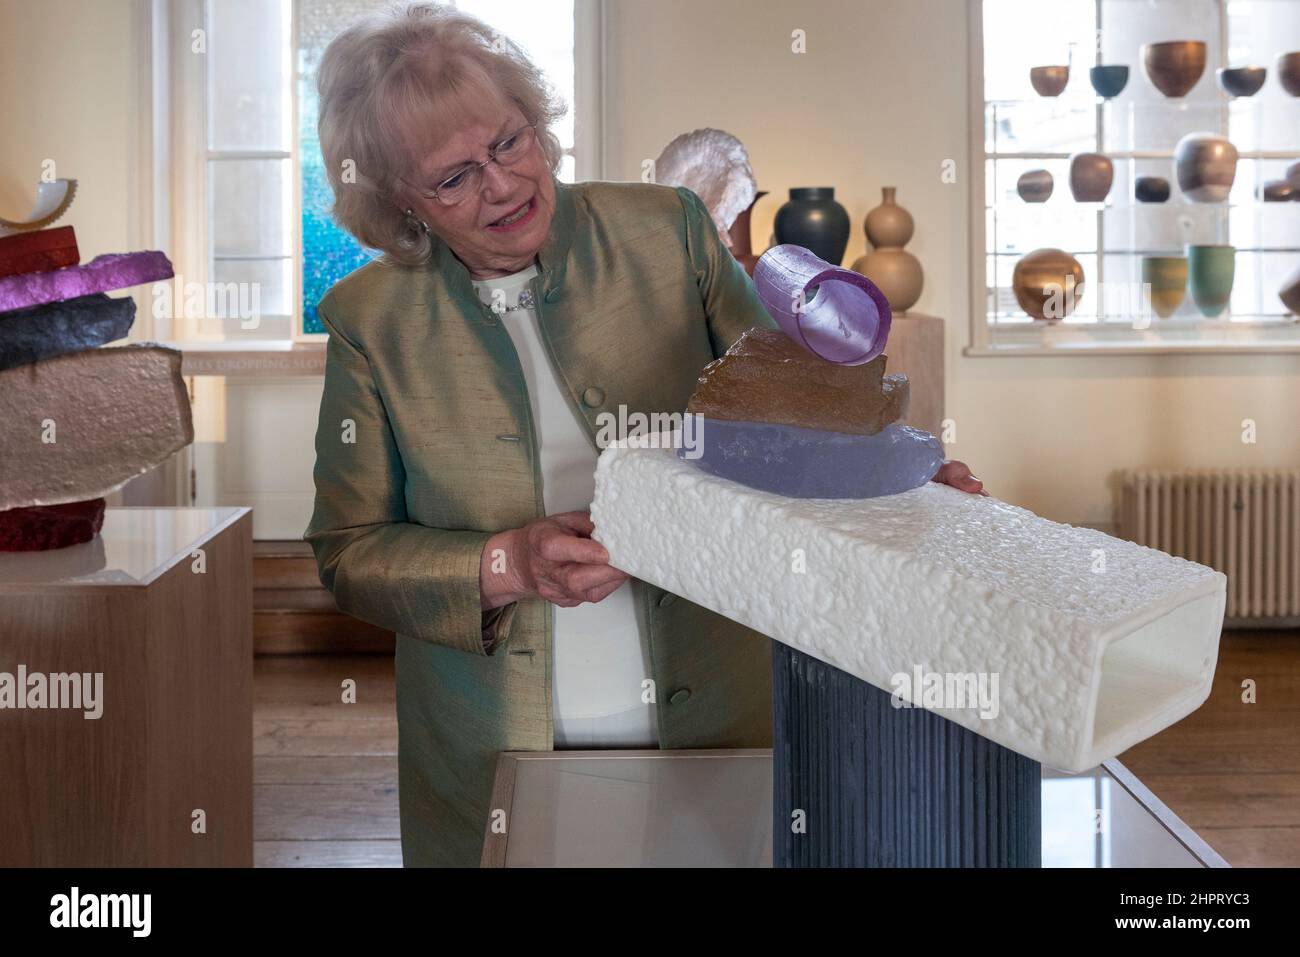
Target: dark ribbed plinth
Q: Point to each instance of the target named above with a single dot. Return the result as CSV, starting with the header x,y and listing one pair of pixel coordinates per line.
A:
x,y
890,787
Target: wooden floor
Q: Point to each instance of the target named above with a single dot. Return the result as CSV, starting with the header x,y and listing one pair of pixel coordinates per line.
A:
x,y
1232,770
325,773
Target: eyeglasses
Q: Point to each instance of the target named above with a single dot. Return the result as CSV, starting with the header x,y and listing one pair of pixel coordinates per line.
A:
x,y
465,182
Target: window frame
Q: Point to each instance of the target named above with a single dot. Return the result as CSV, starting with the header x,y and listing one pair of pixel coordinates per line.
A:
x,y
1216,336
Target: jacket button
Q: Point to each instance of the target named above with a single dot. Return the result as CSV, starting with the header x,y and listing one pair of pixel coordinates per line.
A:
x,y
593,397
667,599
553,294
680,695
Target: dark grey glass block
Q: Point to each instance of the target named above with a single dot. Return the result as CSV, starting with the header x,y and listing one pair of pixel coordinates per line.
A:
x,y
890,787
58,328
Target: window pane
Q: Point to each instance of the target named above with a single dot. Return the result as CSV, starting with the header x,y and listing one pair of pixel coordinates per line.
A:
x,y
248,74
1020,34
250,203
1258,30
1040,126
1059,222
545,33
252,289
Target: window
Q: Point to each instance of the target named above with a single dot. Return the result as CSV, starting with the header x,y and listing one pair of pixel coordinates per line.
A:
x,y
1137,130
269,228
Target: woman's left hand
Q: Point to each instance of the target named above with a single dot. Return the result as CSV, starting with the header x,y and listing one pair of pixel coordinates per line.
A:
x,y
957,474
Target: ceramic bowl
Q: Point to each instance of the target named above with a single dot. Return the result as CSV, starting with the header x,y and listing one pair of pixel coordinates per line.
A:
x,y
1174,67
1151,189
1049,80
1277,191
1205,165
1288,72
1035,185
1110,80
1091,175
1241,80
1048,284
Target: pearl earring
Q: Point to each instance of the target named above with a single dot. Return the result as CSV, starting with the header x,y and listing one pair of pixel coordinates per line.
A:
x,y
415,223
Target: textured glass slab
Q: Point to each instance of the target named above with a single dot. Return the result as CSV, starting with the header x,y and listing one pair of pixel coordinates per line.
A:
x,y
57,328
812,463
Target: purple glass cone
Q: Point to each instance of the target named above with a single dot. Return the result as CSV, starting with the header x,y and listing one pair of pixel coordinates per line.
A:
x,y
846,321
812,463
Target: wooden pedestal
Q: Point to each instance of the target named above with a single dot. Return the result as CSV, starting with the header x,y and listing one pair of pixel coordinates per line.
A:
x,y
161,605
915,348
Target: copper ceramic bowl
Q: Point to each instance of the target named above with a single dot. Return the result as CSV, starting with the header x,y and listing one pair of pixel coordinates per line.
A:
x,y
1174,67
1048,284
1049,80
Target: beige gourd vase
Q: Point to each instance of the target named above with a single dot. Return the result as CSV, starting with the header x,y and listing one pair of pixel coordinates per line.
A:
x,y
896,271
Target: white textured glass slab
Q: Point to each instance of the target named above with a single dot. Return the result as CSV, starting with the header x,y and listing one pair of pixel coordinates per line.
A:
x,y
1096,643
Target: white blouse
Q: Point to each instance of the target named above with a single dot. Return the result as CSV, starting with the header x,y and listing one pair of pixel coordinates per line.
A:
x,y
601,657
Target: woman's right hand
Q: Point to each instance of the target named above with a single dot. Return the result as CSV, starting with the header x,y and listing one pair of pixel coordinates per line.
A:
x,y
553,558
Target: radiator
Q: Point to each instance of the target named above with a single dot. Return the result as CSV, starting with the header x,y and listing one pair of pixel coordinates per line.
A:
x,y
1242,522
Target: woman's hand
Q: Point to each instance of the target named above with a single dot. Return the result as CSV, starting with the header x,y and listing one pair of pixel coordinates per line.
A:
x,y
957,474
552,558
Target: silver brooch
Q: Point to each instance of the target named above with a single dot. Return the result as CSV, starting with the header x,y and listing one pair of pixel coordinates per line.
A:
x,y
526,301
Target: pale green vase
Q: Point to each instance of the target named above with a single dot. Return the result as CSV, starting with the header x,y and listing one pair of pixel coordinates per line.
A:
x,y
1211,270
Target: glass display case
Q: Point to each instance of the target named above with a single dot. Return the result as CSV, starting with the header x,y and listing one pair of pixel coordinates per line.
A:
x,y
1138,130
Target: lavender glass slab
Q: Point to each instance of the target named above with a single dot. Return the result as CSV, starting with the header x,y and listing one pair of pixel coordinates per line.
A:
x,y
812,463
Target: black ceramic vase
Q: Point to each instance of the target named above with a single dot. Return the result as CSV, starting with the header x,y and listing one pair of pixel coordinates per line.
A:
x,y
814,220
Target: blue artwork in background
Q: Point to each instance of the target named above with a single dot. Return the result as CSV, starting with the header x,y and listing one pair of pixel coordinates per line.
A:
x,y
328,252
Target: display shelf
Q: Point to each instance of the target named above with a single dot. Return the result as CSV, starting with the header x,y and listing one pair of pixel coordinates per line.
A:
x,y
1160,251
1108,207
1261,127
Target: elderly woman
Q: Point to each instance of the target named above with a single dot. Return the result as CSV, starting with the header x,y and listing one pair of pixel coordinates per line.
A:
x,y
456,446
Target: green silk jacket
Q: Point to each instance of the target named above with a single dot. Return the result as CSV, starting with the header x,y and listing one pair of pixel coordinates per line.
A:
x,y
426,447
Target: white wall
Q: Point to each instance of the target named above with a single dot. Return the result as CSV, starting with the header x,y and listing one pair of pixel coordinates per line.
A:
x,y
879,99
68,82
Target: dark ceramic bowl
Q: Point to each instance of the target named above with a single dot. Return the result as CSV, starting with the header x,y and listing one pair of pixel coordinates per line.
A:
x,y
1108,80
1277,191
1151,189
1241,80
1288,71
1035,185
